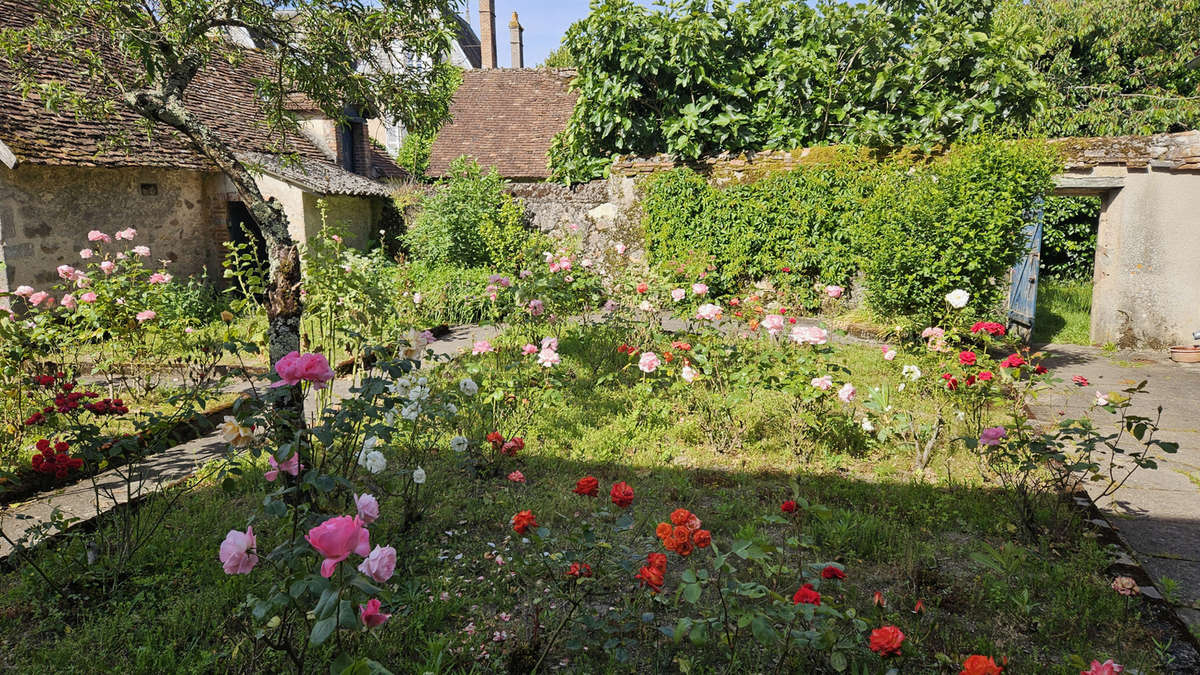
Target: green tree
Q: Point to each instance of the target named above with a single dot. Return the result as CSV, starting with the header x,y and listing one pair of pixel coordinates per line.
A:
x,y
692,77
1114,66
143,55
559,58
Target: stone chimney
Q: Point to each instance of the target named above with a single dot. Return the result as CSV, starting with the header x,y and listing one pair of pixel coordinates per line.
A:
x,y
515,41
487,33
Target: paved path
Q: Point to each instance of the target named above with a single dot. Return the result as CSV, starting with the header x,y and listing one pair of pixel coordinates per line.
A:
x,y
1156,512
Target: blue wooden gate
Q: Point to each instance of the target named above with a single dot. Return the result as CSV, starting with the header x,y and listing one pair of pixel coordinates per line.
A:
x,y
1022,296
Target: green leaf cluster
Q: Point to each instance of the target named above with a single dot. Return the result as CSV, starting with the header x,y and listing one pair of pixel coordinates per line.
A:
x,y
913,229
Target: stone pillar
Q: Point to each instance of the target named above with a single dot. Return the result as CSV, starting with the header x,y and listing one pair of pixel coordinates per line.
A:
x,y
487,33
515,42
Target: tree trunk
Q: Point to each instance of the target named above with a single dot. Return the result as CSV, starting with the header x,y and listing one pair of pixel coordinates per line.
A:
x,y
284,306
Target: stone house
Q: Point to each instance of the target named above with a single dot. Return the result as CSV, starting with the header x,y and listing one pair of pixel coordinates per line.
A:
x,y
62,176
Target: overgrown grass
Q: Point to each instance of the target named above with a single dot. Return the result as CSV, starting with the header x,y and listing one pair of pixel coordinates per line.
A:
x,y
939,538
1064,312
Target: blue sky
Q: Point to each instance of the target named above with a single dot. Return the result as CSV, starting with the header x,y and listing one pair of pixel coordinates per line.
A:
x,y
545,23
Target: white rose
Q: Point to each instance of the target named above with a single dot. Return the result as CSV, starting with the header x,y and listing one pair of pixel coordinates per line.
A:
x,y
468,386
867,426
373,461
411,411
912,372
419,476
459,444
958,298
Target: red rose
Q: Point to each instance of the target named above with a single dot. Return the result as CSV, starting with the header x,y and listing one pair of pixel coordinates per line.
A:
x,y
658,561
978,664
878,600
680,516
1013,361
788,507
702,538
787,269
622,494
970,380
43,445
832,572
587,486
651,578
642,287
985,376
523,521
966,358
808,595
886,641
951,381
495,439
1040,370
578,569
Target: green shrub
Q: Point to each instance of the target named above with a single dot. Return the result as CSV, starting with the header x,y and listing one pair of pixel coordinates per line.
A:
x,y
1069,238
470,221
414,153
451,295
917,230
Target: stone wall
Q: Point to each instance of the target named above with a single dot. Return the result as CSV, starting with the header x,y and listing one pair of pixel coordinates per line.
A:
x,y
47,211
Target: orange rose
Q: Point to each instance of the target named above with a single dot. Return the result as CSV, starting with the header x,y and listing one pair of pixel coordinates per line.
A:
x,y
663,530
523,521
680,516
978,664
684,548
702,538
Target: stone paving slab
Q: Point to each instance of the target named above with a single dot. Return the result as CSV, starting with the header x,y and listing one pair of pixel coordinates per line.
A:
x,y
1158,511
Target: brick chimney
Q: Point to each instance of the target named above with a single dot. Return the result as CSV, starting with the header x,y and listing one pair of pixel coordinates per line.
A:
x,y
514,40
487,33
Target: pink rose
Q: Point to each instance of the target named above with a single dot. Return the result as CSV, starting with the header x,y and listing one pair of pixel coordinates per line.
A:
x,y
812,335
380,565
370,615
1109,667
550,343
516,477
823,383
678,294
108,266
847,392
40,297
68,301
336,539
648,362
834,291
620,248
529,349
88,297
774,324
128,234
548,358
66,272
708,312
23,291
159,278
97,235
296,368
236,552
86,253
699,289
368,508
143,251
482,347
290,466
992,436
536,307
146,315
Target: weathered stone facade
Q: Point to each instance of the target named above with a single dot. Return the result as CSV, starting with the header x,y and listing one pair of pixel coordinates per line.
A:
x,y
47,211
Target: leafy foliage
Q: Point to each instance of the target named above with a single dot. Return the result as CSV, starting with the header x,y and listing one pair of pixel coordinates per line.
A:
x,y
895,220
691,80
414,154
1069,238
559,57
471,221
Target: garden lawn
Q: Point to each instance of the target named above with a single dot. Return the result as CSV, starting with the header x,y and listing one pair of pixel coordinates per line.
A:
x,y
1064,313
942,540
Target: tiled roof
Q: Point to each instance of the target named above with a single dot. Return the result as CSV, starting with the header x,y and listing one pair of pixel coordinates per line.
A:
x,y
315,177
505,118
223,96
468,41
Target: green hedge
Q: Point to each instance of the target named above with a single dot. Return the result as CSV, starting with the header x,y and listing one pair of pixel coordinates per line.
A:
x,y
915,229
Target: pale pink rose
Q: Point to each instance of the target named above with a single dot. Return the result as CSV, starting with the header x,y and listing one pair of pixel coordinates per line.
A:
x,y
645,306
620,248
812,335
678,294
380,565
773,324
529,349
66,272
516,477
525,273
823,383
834,291
237,552
370,615
108,266
992,435
699,289
128,234
296,368
291,466
688,373
121,256
159,278
97,235
888,353
368,508
82,280
41,297
86,253
536,307
1109,667
649,362
336,238
548,358
847,392
708,312
68,301
336,539
23,291
933,332
143,251
550,343
146,315
482,347
88,297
